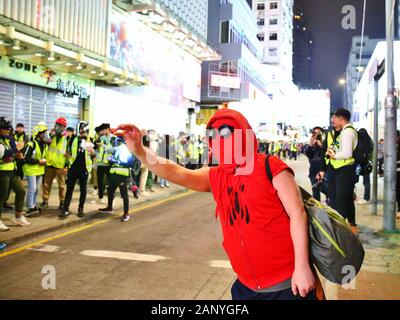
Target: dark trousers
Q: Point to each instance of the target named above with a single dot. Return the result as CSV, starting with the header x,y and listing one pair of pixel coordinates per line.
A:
x,y
103,172
380,165
293,154
367,186
241,292
121,182
10,180
340,191
72,178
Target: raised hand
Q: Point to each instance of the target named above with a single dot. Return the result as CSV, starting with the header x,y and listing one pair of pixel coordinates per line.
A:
x,y
133,138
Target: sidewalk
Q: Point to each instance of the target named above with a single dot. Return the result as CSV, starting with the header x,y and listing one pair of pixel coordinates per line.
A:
x,y
379,277
48,220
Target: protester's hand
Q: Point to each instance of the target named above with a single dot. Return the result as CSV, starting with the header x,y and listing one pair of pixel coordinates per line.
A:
x,y
19,155
20,145
65,171
133,138
303,281
42,162
320,175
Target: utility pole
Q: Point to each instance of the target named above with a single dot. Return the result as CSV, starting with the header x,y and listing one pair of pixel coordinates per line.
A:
x,y
389,205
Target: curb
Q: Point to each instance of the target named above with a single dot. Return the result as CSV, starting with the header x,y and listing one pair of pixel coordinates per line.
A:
x,y
89,217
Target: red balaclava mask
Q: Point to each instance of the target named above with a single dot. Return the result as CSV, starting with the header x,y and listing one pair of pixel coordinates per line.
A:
x,y
236,154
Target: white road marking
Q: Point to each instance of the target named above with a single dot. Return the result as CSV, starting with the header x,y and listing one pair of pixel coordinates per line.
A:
x,y
220,264
46,248
123,255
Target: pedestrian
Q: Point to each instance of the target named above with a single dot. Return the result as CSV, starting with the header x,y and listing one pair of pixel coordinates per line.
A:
x,y
163,151
70,133
93,176
8,174
315,154
340,167
381,156
56,165
121,161
264,224
293,151
80,153
21,139
192,154
34,166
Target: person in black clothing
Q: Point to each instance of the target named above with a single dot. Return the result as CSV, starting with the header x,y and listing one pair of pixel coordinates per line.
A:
x,y
315,154
81,151
21,139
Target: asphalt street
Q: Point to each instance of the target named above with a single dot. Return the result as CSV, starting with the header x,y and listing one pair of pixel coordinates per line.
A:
x,y
169,251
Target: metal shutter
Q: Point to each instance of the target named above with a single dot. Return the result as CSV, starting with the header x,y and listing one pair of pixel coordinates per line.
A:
x,y
7,99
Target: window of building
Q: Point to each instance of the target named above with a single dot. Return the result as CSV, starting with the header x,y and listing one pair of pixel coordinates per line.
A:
x,y
273,21
273,36
260,22
273,52
273,5
261,6
260,36
224,32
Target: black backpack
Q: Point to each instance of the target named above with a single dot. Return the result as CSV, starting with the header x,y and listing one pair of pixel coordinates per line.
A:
x,y
364,150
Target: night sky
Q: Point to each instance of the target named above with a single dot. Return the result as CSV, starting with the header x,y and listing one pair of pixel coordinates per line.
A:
x,y
332,43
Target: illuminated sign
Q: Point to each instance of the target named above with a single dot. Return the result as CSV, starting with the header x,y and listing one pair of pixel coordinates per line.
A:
x,y
225,81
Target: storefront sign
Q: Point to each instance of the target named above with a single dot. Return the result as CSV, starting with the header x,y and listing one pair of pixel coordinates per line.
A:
x,y
69,85
225,82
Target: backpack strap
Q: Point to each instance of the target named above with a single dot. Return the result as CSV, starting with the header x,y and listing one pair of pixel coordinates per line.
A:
x,y
268,168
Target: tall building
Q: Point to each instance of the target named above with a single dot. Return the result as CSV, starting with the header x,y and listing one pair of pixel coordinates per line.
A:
x,y
356,66
302,50
232,30
397,15
275,32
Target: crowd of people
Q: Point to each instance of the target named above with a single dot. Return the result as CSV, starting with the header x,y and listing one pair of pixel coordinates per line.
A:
x,y
71,156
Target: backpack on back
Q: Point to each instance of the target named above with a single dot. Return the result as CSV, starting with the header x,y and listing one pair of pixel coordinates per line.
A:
x,y
364,150
335,251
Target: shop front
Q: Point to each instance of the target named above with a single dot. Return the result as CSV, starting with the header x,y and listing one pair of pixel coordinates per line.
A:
x,y
167,102
33,93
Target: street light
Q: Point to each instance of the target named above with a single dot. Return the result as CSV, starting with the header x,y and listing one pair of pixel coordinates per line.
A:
x,y
342,82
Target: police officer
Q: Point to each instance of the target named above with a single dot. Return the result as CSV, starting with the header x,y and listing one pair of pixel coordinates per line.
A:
x,y
56,166
122,161
8,176
340,167
80,152
35,164
21,139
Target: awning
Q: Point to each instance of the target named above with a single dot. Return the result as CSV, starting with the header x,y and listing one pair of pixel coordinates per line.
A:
x,y
40,51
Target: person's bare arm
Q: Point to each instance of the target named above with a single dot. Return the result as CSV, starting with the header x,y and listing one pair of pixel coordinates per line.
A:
x,y
197,180
303,280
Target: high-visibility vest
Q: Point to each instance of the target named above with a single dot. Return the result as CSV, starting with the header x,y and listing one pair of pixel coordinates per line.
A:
x,y
102,156
180,152
56,153
293,147
32,170
201,148
74,154
20,138
335,144
6,166
117,169
193,151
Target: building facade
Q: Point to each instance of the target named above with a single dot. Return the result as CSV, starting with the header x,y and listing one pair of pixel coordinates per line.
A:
x,y
302,50
356,66
275,31
232,29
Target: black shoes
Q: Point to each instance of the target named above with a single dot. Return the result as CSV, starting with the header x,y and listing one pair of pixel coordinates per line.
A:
x,y
32,212
7,206
80,213
61,206
64,214
107,210
44,205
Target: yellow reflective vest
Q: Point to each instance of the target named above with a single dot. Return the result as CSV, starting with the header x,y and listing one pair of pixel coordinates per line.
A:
x,y
56,153
32,170
335,145
74,154
6,166
102,155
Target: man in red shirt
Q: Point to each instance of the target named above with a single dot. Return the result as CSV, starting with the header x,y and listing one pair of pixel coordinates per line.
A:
x,y
264,224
